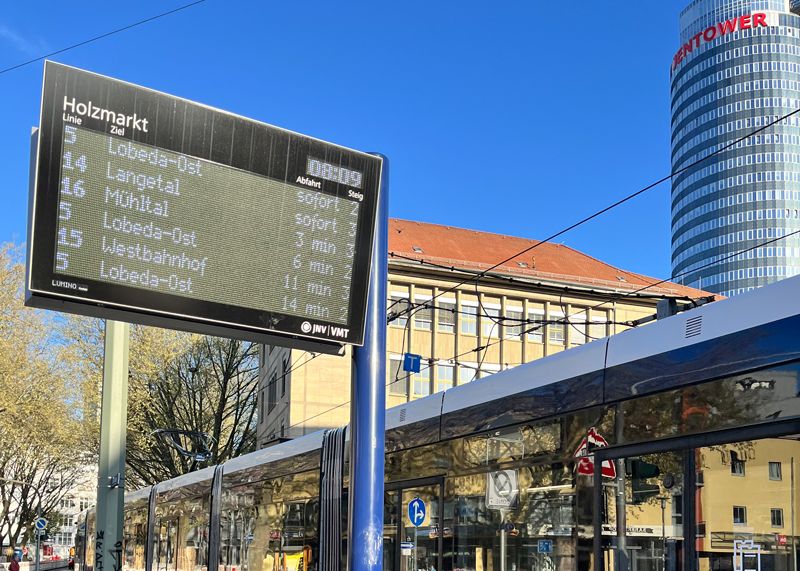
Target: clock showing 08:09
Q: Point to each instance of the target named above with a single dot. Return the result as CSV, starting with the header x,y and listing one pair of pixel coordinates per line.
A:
x,y
335,173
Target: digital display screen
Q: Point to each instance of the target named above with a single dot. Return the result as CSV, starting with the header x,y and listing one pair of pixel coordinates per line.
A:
x,y
159,207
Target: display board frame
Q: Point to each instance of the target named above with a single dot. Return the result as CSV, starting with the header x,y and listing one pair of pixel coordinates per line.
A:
x,y
238,139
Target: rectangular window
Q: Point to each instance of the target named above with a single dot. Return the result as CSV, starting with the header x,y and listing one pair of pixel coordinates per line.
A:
x,y
737,465
513,323
469,320
536,326
739,515
446,313
776,516
422,381
397,377
272,391
555,329
399,307
577,330
284,374
423,316
444,377
597,329
490,322
466,374
775,471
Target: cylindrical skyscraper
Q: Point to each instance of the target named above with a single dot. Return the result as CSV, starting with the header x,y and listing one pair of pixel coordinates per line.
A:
x,y
737,69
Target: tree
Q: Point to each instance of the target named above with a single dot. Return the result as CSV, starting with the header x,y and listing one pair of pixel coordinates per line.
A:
x,y
211,387
39,432
177,381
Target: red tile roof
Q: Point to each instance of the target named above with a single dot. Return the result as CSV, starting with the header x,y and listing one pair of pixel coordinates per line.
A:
x,y
474,250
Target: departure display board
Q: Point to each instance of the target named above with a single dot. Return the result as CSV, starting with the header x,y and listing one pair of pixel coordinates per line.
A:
x,y
153,209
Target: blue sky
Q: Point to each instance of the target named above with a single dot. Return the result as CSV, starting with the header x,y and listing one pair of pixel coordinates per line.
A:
x,y
496,116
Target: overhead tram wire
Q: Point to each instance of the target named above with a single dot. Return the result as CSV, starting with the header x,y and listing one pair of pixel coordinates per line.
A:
x,y
101,36
612,298
620,202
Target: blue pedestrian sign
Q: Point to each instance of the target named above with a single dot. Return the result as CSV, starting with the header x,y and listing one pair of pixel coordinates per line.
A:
x,y
411,362
545,546
40,523
416,512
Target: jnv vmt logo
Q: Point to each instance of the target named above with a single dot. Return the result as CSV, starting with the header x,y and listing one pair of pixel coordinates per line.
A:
x,y
416,512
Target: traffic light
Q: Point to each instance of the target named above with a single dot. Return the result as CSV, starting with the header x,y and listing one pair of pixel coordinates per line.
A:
x,y
639,472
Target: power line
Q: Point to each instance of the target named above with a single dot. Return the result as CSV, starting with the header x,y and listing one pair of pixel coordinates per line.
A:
x,y
613,297
101,36
620,202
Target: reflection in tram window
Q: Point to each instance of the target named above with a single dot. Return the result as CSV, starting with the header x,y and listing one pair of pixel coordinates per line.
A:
x,y
181,528
134,536
271,525
745,512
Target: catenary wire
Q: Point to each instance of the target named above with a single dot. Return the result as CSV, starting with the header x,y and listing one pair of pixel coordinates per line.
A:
x,y
622,201
613,297
101,36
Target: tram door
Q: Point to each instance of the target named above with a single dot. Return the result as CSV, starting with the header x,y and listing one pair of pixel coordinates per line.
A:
x,y
412,526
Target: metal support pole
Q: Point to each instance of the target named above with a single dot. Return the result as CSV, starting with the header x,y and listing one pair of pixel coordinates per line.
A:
x,y
113,427
38,535
367,409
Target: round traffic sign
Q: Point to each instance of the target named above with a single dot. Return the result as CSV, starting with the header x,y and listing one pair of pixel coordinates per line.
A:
x,y
416,512
40,523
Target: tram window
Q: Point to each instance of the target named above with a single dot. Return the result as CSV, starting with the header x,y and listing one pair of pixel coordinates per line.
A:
x,y
733,401
271,525
751,505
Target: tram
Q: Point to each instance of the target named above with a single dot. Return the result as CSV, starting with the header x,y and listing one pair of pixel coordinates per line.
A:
x,y
675,445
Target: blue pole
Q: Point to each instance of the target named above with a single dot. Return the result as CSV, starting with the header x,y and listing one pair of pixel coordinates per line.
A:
x,y
368,408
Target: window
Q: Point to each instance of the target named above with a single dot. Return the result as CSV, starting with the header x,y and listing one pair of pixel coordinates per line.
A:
x,y
423,316
422,381
84,504
739,515
555,329
737,465
399,306
536,326
775,471
444,377
776,516
469,320
272,390
513,327
490,324
597,329
447,317
66,503
577,330
677,509
466,374
398,379
284,374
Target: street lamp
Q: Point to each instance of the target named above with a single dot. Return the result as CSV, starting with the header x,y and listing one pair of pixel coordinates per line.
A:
x,y
38,508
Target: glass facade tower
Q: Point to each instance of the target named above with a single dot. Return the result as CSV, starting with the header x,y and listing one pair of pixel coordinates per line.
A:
x,y
737,69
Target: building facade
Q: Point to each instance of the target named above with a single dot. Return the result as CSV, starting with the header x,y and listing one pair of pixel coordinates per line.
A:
x,y
82,496
737,70
538,304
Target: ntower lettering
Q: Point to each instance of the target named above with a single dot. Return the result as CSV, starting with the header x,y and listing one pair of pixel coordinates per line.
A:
x,y
746,22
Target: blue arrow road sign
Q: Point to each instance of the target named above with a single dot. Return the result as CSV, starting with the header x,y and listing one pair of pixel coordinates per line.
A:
x,y
416,512
411,362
